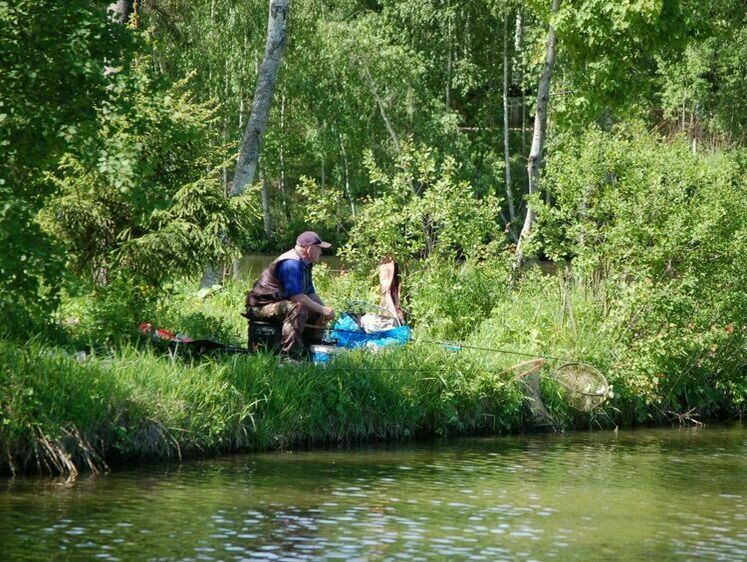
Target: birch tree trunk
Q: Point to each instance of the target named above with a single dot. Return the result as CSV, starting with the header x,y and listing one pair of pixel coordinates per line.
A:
x,y
414,185
248,161
347,173
519,68
506,142
382,110
266,218
281,154
121,11
538,138
449,65
246,167
224,171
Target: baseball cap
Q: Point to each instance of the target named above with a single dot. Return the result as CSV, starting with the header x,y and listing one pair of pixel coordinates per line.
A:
x,y
310,238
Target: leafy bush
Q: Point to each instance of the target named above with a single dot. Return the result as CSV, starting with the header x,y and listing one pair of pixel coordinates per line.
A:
x,y
422,209
146,201
658,234
53,56
449,300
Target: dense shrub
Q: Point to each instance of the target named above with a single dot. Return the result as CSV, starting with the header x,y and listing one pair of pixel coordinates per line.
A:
x,y
659,234
449,300
53,55
146,201
422,209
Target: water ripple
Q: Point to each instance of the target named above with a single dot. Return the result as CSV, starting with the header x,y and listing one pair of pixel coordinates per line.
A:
x,y
661,494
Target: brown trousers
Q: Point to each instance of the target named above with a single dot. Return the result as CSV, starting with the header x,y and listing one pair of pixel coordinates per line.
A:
x,y
294,317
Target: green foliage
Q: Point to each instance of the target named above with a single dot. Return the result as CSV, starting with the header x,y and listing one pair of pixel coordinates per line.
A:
x,y
53,61
608,52
448,300
353,78
357,76
321,208
216,41
53,56
30,267
184,309
150,206
422,209
704,91
105,314
342,287
461,53
660,231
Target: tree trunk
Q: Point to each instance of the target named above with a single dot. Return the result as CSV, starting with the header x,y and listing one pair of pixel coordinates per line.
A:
x,y
382,109
246,166
224,171
523,121
266,218
120,11
281,155
449,65
347,174
324,173
506,142
414,185
518,52
538,138
251,145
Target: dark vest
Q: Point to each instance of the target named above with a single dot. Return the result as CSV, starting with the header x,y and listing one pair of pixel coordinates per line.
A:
x,y
268,288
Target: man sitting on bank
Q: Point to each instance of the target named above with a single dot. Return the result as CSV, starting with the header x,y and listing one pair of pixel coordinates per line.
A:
x,y
285,294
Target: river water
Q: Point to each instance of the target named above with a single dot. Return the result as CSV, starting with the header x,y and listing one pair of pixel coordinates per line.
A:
x,y
663,494
250,266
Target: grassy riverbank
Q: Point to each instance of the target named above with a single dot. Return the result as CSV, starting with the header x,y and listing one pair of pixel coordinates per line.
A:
x,y
127,401
61,414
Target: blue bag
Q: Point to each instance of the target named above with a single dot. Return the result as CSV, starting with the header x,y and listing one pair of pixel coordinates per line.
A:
x,y
349,334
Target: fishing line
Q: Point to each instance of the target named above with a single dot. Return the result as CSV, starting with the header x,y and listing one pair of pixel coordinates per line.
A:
x,y
494,350
459,346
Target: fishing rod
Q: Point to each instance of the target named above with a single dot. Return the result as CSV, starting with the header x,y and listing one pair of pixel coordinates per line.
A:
x,y
459,346
582,379
456,346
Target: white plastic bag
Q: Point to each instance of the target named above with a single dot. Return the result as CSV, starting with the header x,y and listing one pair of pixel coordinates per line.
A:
x,y
374,323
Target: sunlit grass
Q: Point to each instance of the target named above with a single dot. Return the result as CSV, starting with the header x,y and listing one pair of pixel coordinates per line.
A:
x,y
126,399
62,415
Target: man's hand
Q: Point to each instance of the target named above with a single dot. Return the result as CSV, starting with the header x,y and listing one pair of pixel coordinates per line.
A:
x,y
313,302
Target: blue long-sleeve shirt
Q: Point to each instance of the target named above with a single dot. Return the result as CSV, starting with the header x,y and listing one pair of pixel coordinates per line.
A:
x,y
295,276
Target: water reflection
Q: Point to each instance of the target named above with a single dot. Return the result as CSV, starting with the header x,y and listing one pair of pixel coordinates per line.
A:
x,y
664,494
250,266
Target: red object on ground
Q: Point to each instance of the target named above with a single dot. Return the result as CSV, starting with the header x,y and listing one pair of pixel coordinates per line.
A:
x,y
163,334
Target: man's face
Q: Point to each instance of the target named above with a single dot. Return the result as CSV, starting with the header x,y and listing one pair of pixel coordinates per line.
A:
x,y
314,253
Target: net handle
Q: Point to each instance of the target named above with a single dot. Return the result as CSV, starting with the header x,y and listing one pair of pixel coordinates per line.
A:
x,y
528,368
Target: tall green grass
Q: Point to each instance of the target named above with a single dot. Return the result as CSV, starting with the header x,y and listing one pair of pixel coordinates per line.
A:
x,y
62,415
128,401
